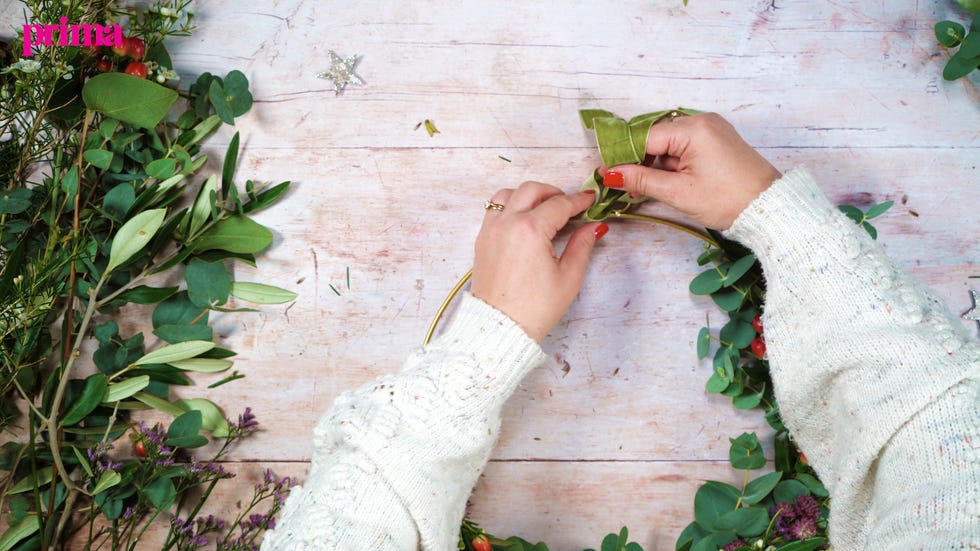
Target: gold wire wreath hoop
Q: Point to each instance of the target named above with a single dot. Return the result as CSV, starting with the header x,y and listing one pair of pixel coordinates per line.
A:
x,y
615,214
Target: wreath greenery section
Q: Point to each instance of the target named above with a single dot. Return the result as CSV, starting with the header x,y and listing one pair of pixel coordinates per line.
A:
x,y
785,509
107,202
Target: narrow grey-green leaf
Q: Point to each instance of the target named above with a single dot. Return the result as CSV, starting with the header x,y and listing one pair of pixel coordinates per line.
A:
x,y
126,388
133,236
175,352
260,293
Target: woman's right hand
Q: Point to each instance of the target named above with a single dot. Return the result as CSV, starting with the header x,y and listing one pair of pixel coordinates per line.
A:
x,y
702,168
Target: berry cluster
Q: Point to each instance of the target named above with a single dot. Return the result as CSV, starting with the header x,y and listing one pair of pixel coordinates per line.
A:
x,y
132,48
758,345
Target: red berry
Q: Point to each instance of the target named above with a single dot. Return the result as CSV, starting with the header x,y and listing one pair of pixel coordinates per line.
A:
x,y
757,324
803,459
135,48
139,448
120,49
136,69
104,66
759,346
481,543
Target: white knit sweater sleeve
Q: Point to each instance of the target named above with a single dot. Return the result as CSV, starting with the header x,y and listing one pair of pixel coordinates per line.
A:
x,y
395,461
878,383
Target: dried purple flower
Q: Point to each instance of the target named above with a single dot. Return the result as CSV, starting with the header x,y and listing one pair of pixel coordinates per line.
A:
x,y
734,545
807,507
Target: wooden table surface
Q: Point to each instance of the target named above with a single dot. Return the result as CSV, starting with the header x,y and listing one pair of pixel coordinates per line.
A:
x,y
618,430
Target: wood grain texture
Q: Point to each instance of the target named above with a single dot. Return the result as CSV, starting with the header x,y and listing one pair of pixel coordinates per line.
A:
x,y
618,430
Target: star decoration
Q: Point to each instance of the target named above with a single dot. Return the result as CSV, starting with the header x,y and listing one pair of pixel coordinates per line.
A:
x,y
341,72
974,314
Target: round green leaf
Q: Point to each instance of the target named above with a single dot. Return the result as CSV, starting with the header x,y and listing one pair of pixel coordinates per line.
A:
x,y
183,432
136,101
14,201
738,269
208,283
118,201
788,490
706,282
749,401
744,521
237,96
758,489
161,169
746,452
211,417
260,293
160,492
133,236
712,500
704,343
99,158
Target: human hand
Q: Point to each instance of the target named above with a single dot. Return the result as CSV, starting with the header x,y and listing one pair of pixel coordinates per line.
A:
x,y
516,269
702,167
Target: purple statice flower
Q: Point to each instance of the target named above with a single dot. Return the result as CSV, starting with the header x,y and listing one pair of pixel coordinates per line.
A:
x,y
210,468
247,424
210,523
734,545
278,487
99,455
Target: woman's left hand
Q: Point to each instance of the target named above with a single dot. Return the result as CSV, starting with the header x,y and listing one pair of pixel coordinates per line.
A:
x,y
516,269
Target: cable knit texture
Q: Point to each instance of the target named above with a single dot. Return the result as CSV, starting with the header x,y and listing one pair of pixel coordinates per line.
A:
x,y
395,461
876,380
878,383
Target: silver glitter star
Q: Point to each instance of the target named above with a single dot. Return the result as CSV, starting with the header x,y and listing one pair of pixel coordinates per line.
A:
x,y
975,313
341,72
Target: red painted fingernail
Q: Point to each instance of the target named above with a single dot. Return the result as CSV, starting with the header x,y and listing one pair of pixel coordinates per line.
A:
x,y
600,230
613,179
634,195
589,191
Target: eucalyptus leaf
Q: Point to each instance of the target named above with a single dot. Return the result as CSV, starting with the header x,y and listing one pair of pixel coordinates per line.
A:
x,y
14,201
208,283
704,343
761,487
118,201
161,169
949,33
99,158
160,493
133,236
788,490
746,452
744,521
132,100
212,419
706,282
185,429
712,500
749,401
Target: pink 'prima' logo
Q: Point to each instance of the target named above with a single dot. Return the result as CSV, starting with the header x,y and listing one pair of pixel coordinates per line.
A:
x,y
70,35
